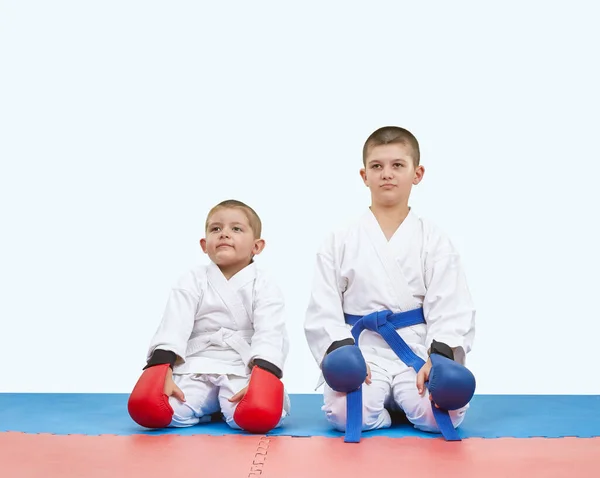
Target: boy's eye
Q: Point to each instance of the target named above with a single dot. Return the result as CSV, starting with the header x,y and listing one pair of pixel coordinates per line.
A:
x,y
237,229
215,229
398,165
375,166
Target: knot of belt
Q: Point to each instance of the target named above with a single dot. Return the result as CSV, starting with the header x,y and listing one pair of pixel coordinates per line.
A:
x,y
375,320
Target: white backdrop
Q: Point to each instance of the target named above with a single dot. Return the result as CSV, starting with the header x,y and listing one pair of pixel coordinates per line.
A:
x,y
123,122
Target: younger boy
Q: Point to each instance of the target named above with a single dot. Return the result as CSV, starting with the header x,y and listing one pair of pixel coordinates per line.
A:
x,y
222,342
388,262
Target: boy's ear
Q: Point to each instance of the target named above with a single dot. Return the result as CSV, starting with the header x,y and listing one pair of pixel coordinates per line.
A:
x,y
363,175
259,245
419,172
203,245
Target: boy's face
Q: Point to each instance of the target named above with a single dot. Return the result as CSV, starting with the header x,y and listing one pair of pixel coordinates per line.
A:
x,y
230,242
390,173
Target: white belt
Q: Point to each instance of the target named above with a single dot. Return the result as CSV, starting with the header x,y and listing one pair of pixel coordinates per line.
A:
x,y
226,338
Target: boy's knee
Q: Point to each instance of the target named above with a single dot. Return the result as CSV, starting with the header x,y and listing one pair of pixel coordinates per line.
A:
x,y
335,411
423,418
182,413
232,424
374,415
229,410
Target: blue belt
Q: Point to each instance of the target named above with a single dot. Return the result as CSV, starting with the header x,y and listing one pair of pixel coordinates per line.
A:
x,y
386,323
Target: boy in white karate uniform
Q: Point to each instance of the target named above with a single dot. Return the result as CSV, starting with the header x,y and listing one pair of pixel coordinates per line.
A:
x,y
222,342
390,259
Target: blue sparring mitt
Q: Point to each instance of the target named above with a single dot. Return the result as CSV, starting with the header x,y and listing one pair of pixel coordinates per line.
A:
x,y
344,369
451,385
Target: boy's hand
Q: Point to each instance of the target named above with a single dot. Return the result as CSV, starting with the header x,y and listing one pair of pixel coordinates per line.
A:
x,y
238,396
260,403
422,377
171,389
368,379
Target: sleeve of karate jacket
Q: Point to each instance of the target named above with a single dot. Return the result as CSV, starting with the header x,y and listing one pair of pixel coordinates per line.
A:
x,y
324,321
448,307
178,317
270,340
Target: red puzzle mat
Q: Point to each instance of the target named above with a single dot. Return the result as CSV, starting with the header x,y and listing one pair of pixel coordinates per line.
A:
x,y
232,456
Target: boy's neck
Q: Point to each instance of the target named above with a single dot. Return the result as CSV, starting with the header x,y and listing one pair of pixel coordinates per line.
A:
x,y
397,212
230,271
390,217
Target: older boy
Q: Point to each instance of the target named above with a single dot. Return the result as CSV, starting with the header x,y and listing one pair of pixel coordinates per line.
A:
x,y
391,283
222,342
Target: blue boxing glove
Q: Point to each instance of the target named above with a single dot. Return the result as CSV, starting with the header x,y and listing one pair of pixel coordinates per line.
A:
x,y
451,385
344,368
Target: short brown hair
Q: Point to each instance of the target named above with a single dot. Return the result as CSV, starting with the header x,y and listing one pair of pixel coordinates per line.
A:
x,y
392,135
253,219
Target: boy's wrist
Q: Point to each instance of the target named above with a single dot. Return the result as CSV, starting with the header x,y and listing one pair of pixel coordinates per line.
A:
x,y
269,367
160,357
441,348
339,343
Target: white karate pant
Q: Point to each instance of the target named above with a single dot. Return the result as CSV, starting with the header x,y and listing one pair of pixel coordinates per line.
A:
x,y
206,394
393,386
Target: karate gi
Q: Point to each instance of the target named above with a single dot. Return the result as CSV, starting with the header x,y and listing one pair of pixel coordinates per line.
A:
x,y
359,272
217,327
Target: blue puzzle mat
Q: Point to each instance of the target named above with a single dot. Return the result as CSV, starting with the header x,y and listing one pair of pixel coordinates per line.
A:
x,y
490,416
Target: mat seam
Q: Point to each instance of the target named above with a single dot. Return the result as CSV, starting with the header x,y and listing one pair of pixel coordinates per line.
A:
x,y
260,457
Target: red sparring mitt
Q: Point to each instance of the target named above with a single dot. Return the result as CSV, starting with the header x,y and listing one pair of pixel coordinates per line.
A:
x,y
148,405
260,409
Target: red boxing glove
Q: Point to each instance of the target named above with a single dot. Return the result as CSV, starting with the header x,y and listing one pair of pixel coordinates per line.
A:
x,y
260,409
148,405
